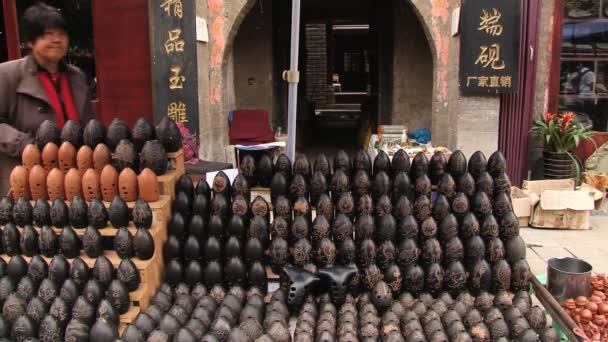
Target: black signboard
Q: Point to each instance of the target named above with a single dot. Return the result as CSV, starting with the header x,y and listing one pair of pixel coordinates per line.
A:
x,y
174,73
489,46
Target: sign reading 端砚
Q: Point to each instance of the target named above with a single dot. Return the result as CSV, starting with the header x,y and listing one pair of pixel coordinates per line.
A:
x,y
489,46
174,73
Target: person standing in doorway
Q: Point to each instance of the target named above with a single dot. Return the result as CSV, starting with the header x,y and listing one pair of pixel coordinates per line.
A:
x,y
38,87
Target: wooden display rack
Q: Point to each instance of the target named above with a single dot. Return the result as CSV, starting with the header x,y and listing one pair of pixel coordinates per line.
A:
x,y
166,182
149,270
140,298
176,161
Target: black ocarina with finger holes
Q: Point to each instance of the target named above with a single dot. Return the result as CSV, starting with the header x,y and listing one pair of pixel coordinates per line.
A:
x,y
298,283
338,278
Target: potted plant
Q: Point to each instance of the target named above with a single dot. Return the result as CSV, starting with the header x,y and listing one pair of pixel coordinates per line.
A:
x,y
561,135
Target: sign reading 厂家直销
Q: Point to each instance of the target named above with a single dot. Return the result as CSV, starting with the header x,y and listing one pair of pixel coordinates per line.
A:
x,y
174,73
489,46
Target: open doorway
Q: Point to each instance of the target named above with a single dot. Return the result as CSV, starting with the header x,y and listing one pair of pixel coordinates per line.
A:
x,y
337,85
342,66
362,63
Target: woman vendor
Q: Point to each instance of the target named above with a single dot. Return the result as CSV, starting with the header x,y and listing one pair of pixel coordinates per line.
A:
x,y
38,87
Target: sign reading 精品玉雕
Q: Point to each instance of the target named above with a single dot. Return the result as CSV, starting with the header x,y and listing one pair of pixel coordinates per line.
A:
x,y
174,73
489,46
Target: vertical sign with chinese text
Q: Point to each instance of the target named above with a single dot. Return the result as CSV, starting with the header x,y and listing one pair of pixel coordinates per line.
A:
x,y
174,70
489,46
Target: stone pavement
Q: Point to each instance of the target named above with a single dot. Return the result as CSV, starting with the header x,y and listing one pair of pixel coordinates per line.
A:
x,y
590,245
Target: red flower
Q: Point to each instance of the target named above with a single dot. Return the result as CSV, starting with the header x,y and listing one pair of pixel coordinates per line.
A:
x,y
567,118
549,117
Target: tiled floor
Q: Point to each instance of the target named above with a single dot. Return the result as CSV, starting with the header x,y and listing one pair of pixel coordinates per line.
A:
x,y
590,245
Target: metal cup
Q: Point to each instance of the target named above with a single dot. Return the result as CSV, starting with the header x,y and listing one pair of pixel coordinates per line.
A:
x,y
568,278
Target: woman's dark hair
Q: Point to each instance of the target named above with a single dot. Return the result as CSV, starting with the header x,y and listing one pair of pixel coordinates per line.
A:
x,y
38,18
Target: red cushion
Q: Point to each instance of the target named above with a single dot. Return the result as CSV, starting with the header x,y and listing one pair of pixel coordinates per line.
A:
x,y
250,127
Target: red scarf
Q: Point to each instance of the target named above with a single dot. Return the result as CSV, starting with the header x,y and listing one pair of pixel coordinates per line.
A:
x,y
66,94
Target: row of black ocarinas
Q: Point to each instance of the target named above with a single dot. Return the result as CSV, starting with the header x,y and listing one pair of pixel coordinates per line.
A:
x,y
62,302
77,214
207,245
143,146
386,177
19,236
374,316
453,242
187,314
431,243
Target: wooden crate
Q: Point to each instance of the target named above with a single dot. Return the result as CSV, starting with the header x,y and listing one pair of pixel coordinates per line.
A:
x,y
176,161
166,183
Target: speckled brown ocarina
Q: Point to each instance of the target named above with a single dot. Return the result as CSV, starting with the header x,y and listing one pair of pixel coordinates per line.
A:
x,y
84,159
109,183
50,154
19,182
37,181
127,185
54,185
147,184
90,185
66,156
72,184
101,157
30,156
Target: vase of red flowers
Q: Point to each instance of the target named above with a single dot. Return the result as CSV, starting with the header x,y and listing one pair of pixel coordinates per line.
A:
x,y
561,134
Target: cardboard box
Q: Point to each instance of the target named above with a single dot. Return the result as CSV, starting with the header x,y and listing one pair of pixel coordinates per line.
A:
x,y
523,204
599,181
562,206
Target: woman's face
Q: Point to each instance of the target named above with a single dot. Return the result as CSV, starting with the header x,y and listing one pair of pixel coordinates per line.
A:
x,y
51,46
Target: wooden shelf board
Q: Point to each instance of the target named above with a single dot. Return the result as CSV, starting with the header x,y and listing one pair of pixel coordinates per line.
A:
x,y
130,315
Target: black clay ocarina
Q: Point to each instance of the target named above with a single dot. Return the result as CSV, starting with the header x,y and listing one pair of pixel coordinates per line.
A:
x,y
338,278
297,280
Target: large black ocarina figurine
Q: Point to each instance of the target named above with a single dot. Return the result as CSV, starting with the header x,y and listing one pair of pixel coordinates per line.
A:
x,y
338,278
298,282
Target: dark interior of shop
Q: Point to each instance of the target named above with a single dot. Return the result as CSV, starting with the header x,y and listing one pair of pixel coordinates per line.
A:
x,y
345,49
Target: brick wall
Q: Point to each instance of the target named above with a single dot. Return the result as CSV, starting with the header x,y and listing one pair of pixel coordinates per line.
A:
x,y
315,45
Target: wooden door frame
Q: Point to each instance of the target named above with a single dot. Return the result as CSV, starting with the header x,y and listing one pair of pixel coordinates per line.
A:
x,y
556,48
516,109
11,25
